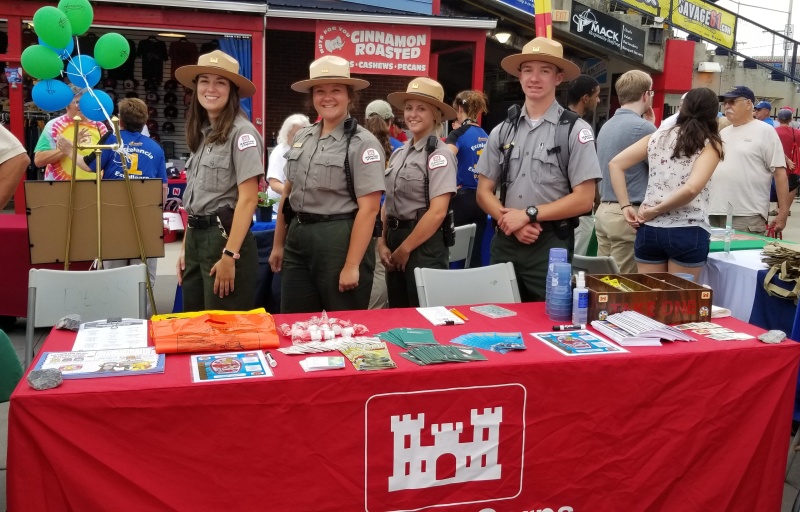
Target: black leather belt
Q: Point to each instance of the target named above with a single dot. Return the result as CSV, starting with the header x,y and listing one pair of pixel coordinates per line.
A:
x,y
312,218
464,190
617,202
393,223
202,221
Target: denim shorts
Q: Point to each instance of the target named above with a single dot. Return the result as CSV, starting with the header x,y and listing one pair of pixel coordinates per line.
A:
x,y
686,246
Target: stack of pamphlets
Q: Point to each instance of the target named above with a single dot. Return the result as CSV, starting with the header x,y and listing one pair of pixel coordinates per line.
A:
x,y
641,326
442,354
501,342
623,337
86,364
316,347
405,337
316,363
369,356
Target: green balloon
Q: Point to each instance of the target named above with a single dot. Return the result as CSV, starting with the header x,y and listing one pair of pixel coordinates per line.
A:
x,y
111,50
41,62
80,14
52,26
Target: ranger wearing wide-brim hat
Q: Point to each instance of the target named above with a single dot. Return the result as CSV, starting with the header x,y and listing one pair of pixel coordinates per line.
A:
x,y
219,265
420,181
215,63
547,184
427,90
334,182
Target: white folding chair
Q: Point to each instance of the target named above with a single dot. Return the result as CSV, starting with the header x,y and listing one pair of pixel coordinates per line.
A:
x,y
495,284
594,264
462,249
94,295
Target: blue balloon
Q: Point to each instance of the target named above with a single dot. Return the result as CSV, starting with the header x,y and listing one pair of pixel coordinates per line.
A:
x,y
90,108
84,71
64,53
51,95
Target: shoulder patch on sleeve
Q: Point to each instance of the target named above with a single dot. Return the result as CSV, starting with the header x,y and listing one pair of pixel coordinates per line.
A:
x,y
436,161
246,141
585,136
370,155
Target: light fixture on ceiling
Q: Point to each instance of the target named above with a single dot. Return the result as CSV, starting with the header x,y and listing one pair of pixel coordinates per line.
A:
x,y
502,37
171,34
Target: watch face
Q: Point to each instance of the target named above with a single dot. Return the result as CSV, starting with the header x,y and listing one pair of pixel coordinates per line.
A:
x,y
531,211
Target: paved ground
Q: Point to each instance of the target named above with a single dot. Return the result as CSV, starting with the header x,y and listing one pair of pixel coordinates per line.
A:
x,y
164,292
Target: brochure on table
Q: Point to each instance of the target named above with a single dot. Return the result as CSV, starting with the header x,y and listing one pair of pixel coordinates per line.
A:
x,y
577,343
111,334
229,366
87,364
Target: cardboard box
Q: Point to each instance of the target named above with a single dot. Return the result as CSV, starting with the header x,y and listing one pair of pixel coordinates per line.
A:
x,y
664,297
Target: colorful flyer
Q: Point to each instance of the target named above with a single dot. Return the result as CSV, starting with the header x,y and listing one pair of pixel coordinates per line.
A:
x,y
577,343
86,364
229,366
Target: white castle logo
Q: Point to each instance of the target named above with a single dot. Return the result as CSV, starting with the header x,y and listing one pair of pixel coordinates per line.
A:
x,y
415,465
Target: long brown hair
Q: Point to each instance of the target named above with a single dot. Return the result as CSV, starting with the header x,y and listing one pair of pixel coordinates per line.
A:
x,y
697,121
198,117
378,127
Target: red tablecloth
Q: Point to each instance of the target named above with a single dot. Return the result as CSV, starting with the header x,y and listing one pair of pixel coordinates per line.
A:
x,y
685,427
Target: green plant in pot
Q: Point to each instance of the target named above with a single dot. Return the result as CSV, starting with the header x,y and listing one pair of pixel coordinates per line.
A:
x,y
264,209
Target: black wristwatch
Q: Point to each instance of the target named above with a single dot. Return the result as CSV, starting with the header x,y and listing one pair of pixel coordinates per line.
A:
x,y
532,212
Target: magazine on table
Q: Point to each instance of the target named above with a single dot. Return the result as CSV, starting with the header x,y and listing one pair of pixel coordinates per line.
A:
x,y
86,364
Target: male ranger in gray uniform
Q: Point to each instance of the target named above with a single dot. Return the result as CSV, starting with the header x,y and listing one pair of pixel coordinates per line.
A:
x,y
541,201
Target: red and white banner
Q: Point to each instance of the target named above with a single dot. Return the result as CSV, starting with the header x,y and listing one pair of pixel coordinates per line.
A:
x,y
377,49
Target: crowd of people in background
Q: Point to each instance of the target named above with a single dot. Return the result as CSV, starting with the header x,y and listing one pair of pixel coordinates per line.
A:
x,y
362,203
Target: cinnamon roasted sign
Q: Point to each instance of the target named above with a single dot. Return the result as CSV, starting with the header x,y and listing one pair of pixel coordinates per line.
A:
x,y
376,48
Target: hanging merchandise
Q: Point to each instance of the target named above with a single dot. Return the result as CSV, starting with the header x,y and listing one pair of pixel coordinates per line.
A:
x,y
181,53
153,53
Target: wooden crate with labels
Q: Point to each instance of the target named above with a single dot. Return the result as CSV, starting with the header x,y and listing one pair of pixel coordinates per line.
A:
x,y
664,297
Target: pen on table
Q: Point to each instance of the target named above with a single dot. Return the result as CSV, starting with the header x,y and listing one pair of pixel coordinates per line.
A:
x,y
570,327
458,314
271,360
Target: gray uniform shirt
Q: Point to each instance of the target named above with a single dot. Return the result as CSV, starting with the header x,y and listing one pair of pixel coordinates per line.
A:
x,y
315,168
405,180
214,172
624,129
535,178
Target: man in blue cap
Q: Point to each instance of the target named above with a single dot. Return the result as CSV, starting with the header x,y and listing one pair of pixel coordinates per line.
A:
x,y
753,156
762,111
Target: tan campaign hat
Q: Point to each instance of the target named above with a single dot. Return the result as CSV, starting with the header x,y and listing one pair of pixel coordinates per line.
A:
x,y
216,63
423,89
543,50
329,70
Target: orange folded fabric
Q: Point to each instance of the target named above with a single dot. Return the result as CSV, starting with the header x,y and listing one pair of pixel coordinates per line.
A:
x,y
215,332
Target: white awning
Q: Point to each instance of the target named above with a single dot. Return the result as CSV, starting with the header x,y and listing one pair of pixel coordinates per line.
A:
x,y
212,5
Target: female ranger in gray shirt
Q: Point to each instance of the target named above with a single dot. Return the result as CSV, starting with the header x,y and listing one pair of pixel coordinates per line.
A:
x,y
334,182
218,264
420,181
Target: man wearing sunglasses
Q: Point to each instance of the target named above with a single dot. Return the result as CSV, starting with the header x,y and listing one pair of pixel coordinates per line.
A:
x,y
753,157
